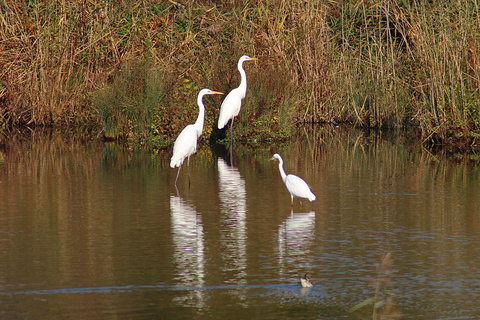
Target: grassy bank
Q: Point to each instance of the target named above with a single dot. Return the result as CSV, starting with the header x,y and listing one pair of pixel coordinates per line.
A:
x,y
134,68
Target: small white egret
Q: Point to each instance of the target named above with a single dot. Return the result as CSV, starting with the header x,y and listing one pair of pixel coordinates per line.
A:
x,y
295,185
233,101
305,282
186,143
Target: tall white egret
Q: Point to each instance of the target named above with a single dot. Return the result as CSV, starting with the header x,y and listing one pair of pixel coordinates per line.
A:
x,y
295,185
233,101
186,143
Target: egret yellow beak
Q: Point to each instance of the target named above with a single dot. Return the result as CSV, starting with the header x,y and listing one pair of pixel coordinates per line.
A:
x,y
216,92
253,59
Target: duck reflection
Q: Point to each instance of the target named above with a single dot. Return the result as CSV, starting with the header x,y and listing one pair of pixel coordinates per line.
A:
x,y
296,236
188,244
233,235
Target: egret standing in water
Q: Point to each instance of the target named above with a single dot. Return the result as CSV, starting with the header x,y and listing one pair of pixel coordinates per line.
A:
x,y
295,185
233,101
186,143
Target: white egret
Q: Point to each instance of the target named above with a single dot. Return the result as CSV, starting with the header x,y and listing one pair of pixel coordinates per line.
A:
x,y
186,143
305,282
295,185
233,101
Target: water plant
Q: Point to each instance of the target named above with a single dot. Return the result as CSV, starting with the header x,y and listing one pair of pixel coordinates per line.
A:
x,y
382,301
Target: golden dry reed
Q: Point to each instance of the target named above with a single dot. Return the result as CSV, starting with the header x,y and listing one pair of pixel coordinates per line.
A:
x,y
376,64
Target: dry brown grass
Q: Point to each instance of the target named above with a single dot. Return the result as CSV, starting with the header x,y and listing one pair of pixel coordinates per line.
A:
x,y
372,63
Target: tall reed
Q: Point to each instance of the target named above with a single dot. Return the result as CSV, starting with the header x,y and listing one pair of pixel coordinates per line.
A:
x,y
376,63
55,52
405,63
446,42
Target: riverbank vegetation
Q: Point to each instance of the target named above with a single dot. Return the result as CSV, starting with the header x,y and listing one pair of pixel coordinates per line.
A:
x,y
134,68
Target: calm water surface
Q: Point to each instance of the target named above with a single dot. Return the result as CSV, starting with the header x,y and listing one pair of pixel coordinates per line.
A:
x,y
91,230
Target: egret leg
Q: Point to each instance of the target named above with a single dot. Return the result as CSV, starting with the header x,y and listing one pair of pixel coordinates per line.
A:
x,y
178,173
291,197
231,141
188,164
231,132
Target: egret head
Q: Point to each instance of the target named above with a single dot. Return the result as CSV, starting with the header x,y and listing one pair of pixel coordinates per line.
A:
x,y
208,91
276,156
246,58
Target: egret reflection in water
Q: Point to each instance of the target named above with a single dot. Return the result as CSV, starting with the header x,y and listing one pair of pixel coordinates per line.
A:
x,y
296,235
188,249
233,232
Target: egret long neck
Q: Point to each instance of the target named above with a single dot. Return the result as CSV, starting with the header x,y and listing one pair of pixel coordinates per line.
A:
x,y
201,116
243,81
280,167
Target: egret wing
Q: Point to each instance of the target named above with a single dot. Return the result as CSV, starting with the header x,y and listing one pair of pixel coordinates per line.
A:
x,y
298,187
185,145
230,108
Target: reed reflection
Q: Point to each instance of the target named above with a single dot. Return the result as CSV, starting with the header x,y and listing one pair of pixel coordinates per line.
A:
x,y
233,231
296,235
188,250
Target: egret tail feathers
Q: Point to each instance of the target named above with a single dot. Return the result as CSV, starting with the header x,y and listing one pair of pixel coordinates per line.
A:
x,y
176,162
